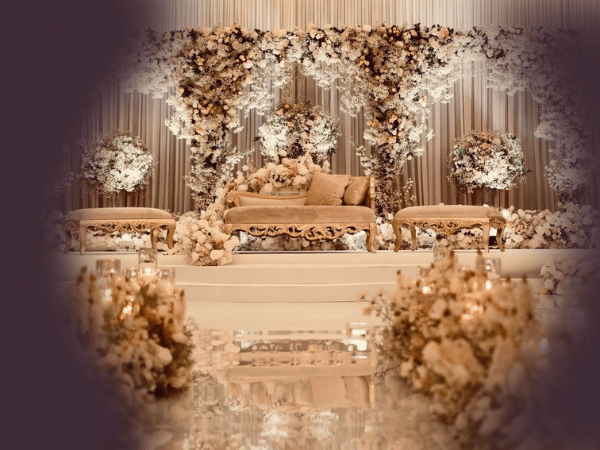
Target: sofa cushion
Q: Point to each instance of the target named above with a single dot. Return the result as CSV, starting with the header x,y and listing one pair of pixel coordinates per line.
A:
x,y
299,214
356,191
274,201
448,212
326,189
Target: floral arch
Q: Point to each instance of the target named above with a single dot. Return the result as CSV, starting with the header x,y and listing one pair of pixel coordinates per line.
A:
x,y
392,74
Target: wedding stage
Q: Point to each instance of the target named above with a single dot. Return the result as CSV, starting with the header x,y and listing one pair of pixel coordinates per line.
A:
x,y
278,151
296,277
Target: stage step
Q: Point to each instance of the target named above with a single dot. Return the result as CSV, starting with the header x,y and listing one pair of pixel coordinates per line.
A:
x,y
307,277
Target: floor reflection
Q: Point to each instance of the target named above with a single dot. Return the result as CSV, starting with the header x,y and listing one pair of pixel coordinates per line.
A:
x,y
310,389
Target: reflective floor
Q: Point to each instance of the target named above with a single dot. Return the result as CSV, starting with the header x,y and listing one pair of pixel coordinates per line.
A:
x,y
304,389
265,380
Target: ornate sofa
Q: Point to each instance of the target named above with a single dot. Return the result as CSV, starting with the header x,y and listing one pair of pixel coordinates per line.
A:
x,y
334,205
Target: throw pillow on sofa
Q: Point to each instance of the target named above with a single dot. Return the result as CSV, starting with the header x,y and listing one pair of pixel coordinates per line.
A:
x,y
326,189
356,191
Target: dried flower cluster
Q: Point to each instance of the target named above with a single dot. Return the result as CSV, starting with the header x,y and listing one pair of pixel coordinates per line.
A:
x,y
394,74
299,129
132,337
560,275
282,173
486,159
201,237
116,162
464,338
573,226
545,62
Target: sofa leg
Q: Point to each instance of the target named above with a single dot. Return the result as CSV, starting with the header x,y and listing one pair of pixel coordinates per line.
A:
x,y
371,238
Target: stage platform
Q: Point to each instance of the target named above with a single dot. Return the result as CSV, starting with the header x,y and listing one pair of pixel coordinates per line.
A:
x,y
293,277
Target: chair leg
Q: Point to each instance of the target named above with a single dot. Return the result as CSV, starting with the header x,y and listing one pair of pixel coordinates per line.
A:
x,y
486,237
398,233
499,238
82,231
153,237
413,237
170,234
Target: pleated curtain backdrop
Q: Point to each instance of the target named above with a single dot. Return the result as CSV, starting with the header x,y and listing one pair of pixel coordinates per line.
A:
x,y
473,107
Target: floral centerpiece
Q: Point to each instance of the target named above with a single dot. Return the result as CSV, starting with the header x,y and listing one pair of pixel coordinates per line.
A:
x,y
464,338
117,162
132,337
299,129
486,160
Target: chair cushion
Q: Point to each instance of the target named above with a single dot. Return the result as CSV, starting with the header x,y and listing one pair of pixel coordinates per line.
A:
x,y
448,212
123,213
326,189
298,214
356,191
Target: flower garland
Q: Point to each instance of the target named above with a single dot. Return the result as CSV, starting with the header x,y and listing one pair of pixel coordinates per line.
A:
x,y
132,336
543,61
210,70
117,162
386,71
298,130
465,339
486,159
394,74
201,236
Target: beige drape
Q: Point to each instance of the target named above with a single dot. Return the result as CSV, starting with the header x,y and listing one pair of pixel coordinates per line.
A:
x,y
473,107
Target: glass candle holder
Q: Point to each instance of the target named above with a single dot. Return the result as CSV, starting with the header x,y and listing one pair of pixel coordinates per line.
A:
x,y
107,268
423,271
492,267
166,274
131,273
440,252
147,259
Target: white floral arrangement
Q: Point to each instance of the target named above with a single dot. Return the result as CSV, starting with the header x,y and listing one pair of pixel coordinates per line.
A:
x,y
299,129
200,236
573,226
562,274
282,173
379,68
486,159
132,337
465,339
117,162
385,70
543,61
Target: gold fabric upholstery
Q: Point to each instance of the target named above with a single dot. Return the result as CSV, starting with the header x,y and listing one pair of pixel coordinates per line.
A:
x,y
356,191
326,189
299,214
